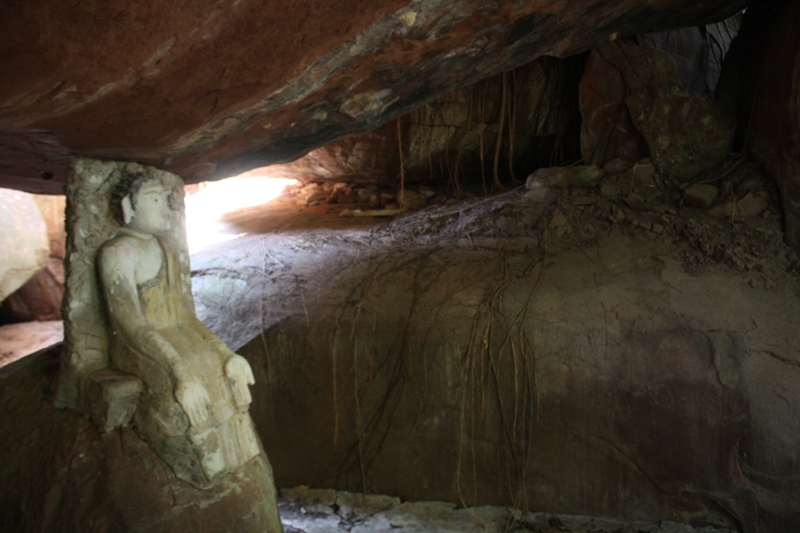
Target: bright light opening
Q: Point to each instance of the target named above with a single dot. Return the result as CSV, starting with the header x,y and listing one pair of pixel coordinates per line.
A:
x,y
206,206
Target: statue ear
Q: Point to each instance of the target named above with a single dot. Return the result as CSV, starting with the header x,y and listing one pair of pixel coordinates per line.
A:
x,y
127,210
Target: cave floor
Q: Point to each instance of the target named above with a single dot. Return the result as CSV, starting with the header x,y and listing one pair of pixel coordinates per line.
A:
x,y
305,510
284,215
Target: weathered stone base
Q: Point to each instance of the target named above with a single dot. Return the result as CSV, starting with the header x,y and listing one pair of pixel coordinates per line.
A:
x,y
59,474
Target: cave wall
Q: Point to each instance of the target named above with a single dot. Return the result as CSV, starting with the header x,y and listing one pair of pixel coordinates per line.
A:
x,y
523,119
698,52
773,123
497,131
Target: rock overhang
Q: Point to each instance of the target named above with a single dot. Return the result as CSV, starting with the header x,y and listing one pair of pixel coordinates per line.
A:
x,y
211,90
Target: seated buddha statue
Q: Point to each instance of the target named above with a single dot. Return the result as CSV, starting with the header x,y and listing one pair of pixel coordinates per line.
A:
x,y
194,408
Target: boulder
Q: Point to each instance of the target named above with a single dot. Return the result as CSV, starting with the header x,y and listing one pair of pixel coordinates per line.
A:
x,y
700,196
607,131
750,205
634,104
40,298
617,166
615,383
685,135
24,243
410,200
565,177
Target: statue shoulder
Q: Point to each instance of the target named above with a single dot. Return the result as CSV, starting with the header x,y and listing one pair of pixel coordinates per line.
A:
x,y
118,251
117,244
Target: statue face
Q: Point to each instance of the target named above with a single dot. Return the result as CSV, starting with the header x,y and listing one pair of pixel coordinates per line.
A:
x,y
151,213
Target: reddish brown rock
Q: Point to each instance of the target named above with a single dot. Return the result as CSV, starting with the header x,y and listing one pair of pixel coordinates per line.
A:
x,y
211,89
607,132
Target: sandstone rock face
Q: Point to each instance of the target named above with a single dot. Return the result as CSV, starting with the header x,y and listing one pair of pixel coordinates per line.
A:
x,y
23,240
634,104
211,89
774,134
612,383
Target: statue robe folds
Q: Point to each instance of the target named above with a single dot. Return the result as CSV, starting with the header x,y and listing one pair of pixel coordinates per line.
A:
x,y
226,440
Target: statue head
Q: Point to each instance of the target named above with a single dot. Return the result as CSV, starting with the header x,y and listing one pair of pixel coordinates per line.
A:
x,y
143,203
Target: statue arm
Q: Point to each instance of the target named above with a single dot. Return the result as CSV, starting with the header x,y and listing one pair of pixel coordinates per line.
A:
x,y
118,278
237,369
208,336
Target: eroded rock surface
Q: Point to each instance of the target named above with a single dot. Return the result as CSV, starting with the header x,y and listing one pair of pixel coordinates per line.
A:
x,y
209,90
641,368
59,474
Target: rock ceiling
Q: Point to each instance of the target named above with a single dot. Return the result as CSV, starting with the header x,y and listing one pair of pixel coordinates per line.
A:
x,y
208,89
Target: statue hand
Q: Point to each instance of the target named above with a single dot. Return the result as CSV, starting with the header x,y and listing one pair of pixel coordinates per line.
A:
x,y
194,399
240,375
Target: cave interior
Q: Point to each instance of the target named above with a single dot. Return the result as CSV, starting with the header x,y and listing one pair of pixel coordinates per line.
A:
x,y
508,266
